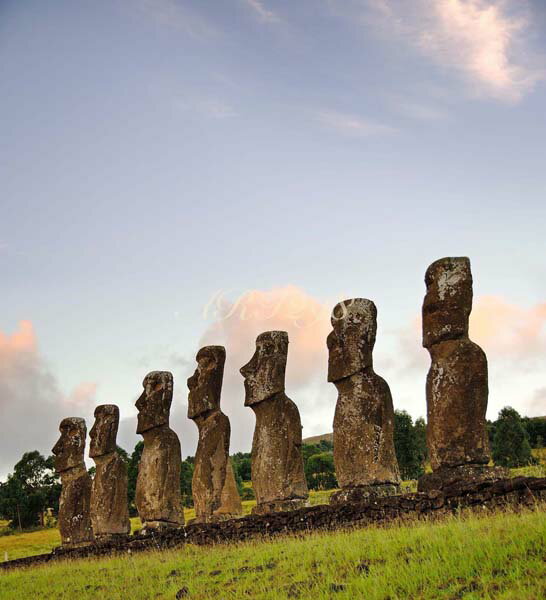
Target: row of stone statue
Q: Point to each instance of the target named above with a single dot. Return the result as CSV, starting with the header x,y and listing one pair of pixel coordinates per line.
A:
x,y
364,455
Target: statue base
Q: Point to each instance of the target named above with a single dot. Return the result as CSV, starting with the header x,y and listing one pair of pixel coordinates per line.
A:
x,y
279,506
159,526
111,538
445,477
214,518
364,493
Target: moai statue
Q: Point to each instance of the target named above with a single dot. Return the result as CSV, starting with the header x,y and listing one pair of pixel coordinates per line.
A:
x,y
277,464
74,519
109,505
364,455
457,379
158,496
212,456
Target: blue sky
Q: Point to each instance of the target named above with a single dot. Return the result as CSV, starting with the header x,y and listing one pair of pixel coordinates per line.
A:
x,y
157,153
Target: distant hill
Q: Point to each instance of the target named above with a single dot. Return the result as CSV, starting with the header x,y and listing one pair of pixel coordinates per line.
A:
x,y
315,439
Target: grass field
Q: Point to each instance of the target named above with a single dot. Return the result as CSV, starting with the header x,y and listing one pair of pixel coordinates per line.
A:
x,y
500,556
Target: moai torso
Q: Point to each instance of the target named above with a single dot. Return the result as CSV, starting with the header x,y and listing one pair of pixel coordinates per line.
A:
x,y
457,386
364,455
109,505
74,503
277,465
158,495
212,456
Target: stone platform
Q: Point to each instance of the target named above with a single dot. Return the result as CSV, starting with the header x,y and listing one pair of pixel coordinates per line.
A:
x,y
520,491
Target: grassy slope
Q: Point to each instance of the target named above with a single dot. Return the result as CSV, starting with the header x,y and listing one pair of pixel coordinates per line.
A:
x,y
499,556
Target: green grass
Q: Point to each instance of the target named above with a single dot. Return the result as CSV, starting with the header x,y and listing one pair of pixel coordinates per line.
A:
x,y
500,556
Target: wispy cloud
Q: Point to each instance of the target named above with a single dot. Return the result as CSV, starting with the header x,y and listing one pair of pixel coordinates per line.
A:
x,y
262,13
352,125
207,107
177,15
486,42
417,110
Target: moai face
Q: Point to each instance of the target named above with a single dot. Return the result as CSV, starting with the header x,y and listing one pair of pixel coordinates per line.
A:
x,y
350,344
70,447
155,401
448,300
104,431
264,373
205,384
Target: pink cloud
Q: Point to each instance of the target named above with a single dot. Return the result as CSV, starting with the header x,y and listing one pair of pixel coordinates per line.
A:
x,y
484,41
286,308
236,325
504,328
31,401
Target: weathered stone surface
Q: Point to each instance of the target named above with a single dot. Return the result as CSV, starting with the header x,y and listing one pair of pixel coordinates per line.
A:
x,y
491,495
158,497
74,504
457,386
212,453
277,464
364,454
230,502
109,507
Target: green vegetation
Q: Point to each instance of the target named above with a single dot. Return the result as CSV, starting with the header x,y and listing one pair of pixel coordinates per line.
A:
x,y
499,556
29,491
410,444
511,446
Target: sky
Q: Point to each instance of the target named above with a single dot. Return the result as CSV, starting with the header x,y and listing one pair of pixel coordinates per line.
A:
x,y
176,173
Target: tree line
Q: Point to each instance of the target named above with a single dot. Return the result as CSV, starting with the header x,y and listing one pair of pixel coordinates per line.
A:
x,y
33,487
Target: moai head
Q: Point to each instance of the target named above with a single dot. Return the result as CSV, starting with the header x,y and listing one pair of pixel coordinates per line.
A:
x,y
104,431
448,300
154,403
205,384
70,446
264,373
350,344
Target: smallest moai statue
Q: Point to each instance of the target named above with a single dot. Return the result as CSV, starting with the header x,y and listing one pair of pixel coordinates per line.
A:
x,y
74,503
364,454
210,475
109,506
278,477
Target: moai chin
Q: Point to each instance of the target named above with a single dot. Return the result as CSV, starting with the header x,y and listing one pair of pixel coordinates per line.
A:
x,y
158,496
109,507
277,465
74,503
364,454
457,386
210,484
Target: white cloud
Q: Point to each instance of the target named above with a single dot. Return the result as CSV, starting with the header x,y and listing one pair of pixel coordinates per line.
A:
x,y
178,15
207,107
417,110
262,13
485,42
352,125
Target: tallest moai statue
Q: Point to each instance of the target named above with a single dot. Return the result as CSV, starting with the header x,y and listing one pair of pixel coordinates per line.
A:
x,y
457,387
